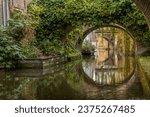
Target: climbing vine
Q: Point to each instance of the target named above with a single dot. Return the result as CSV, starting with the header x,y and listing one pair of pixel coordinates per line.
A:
x,y
58,18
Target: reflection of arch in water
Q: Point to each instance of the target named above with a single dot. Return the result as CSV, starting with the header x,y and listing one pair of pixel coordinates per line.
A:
x,y
107,52
107,75
106,64
126,82
92,90
106,61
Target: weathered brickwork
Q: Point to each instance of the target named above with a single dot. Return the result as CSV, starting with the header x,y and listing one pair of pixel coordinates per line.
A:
x,y
20,4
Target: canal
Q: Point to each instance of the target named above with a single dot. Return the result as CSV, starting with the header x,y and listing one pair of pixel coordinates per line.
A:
x,y
95,78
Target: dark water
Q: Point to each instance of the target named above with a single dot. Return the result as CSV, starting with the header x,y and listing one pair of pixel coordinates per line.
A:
x,y
103,77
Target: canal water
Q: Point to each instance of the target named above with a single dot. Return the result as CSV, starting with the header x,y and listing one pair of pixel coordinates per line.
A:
x,y
95,78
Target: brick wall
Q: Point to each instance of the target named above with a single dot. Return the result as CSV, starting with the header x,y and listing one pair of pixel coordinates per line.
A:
x,y
20,4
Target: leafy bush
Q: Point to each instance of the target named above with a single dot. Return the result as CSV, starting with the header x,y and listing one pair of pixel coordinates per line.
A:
x,y
20,29
17,24
88,49
34,11
53,47
30,51
9,49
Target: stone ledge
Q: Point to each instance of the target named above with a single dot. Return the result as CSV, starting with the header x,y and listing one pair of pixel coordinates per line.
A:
x,y
40,63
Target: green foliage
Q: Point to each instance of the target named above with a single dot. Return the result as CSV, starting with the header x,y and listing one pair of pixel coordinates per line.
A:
x,y
48,47
17,24
59,17
34,11
17,29
30,51
70,43
88,49
9,49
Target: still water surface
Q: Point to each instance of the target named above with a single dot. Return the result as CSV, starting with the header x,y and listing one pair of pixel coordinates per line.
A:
x,y
107,77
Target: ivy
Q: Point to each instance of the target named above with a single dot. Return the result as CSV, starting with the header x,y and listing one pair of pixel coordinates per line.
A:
x,y
59,18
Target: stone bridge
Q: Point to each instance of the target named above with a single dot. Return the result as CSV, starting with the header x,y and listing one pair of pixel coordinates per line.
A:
x,y
143,5
88,29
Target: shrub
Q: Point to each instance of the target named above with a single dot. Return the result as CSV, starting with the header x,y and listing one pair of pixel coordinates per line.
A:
x,y
17,24
88,49
9,49
30,51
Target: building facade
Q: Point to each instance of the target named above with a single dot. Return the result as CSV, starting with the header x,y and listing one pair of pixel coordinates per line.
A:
x,y
4,12
19,4
7,6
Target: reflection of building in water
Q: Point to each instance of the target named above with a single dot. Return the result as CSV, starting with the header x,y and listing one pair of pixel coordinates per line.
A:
x,y
90,40
101,44
115,70
109,38
95,38
110,66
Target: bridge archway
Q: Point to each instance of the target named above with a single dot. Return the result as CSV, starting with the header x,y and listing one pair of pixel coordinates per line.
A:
x,y
67,16
90,29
